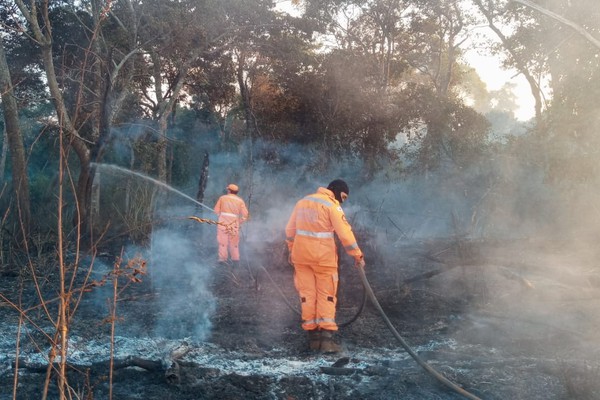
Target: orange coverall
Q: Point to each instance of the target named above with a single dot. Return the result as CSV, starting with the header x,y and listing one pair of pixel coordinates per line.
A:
x,y
310,239
232,212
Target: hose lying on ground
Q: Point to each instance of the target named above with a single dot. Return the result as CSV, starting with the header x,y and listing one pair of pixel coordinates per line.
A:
x,y
406,347
368,292
363,301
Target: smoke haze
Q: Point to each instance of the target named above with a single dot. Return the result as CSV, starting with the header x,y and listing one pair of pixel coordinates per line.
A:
x,y
527,247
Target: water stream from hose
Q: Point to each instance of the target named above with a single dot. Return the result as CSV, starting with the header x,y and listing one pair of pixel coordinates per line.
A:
x,y
117,169
366,285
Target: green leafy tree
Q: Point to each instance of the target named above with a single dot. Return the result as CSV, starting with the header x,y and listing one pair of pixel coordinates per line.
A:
x,y
556,39
519,55
83,74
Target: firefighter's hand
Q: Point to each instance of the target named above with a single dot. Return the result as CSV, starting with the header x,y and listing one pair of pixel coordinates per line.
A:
x,y
359,262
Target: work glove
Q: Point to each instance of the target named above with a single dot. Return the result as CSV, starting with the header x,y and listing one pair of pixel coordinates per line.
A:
x,y
359,262
289,258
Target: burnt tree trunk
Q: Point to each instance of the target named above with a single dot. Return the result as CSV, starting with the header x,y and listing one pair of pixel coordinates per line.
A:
x,y
17,149
202,181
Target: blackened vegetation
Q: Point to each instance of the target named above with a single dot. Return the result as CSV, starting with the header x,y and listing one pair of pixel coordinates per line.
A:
x,y
462,305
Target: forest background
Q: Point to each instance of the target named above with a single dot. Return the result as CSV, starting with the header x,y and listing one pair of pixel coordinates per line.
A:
x,y
379,86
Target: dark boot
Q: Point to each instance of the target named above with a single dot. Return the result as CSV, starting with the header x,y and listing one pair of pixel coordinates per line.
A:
x,y
314,340
235,264
327,343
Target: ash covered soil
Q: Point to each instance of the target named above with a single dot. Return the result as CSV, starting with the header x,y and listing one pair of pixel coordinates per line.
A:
x,y
502,320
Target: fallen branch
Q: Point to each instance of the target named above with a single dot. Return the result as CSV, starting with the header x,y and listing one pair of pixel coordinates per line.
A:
x,y
339,371
504,271
169,364
99,366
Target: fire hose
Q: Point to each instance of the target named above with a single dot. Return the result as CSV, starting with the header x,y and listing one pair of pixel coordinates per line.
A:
x,y
405,345
363,301
368,292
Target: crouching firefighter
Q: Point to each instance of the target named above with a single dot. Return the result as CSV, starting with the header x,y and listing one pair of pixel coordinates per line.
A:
x,y
310,239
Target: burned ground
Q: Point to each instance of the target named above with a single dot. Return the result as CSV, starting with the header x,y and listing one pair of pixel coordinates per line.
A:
x,y
494,318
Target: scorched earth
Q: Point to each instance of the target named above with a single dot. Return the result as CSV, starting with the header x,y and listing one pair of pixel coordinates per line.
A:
x,y
502,320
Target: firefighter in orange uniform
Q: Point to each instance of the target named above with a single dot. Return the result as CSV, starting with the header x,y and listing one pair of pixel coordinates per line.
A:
x,y
310,239
232,212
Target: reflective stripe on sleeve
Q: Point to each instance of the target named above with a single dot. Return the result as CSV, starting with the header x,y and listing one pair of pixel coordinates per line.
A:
x,y
352,246
320,235
229,214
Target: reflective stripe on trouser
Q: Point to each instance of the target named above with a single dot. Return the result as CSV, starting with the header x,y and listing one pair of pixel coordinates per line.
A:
x,y
228,244
317,287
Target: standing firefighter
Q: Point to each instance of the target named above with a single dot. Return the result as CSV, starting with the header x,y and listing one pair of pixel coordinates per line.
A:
x,y
232,212
310,239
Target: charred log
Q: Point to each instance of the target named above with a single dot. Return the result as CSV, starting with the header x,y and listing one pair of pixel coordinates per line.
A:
x,y
99,367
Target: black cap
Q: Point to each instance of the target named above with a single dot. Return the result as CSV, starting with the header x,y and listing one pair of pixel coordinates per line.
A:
x,y
337,187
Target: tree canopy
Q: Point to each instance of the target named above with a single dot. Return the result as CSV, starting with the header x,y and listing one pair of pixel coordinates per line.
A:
x,y
382,83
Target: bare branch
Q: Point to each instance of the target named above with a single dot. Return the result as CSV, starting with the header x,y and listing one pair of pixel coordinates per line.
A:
x,y
562,19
